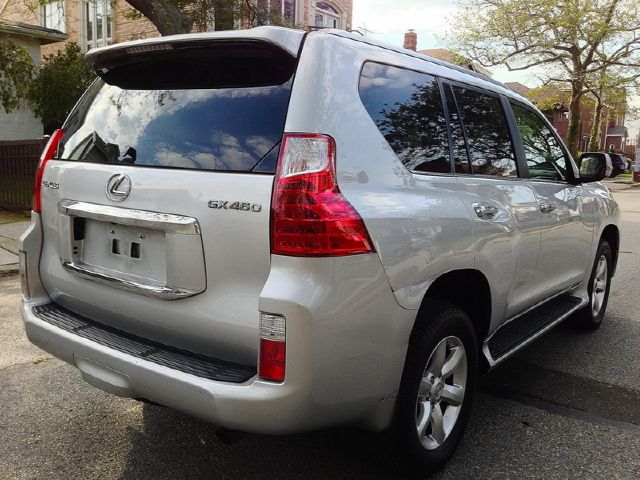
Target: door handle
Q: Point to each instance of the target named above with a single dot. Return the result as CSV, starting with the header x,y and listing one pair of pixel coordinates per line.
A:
x,y
484,210
547,207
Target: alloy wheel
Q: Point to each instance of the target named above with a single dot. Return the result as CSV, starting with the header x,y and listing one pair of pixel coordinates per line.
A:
x,y
441,392
599,288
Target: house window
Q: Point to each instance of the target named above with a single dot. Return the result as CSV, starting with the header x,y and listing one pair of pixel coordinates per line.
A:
x,y
97,23
52,15
326,16
268,9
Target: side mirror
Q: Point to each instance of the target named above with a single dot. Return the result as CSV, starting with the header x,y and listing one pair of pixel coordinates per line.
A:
x,y
594,167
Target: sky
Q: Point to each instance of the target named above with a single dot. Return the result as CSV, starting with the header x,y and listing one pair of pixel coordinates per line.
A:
x,y
388,20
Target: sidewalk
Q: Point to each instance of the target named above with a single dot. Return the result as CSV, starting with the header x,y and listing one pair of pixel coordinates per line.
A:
x,y
615,184
10,234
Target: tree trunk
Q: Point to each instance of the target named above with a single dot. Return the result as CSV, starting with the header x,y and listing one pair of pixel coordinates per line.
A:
x,y
594,142
574,116
164,15
224,12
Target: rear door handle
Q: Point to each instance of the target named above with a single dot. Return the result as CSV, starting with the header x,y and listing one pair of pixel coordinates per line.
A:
x,y
484,210
547,207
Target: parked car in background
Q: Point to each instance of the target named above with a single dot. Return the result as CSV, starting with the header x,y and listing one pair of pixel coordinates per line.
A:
x,y
619,164
281,231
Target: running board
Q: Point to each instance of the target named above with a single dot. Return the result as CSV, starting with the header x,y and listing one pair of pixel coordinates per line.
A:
x,y
520,331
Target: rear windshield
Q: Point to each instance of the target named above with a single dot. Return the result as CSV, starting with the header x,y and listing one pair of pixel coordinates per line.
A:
x,y
174,120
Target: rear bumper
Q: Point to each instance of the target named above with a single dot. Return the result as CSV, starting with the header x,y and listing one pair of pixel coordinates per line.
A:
x,y
252,406
346,343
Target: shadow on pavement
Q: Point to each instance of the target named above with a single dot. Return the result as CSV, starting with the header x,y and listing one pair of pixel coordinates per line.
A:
x,y
173,445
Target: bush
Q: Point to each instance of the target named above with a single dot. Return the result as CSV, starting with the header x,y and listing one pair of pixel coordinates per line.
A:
x,y
60,81
16,69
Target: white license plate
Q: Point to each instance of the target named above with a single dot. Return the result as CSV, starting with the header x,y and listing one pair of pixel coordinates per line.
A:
x,y
130,251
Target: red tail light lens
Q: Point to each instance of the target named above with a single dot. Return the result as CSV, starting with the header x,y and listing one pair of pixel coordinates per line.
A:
x,y
49,152
273,347
310,217
272,360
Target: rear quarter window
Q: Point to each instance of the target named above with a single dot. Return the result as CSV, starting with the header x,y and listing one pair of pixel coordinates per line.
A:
x,y
406,106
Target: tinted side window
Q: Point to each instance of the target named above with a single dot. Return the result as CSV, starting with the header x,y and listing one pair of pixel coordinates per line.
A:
x,y
545,157
407,108
490,147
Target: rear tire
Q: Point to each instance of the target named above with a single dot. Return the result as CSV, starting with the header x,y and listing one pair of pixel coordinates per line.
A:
x,y
590,317
438,382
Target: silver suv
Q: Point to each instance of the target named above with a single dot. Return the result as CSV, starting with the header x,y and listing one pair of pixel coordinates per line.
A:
x,y
278,231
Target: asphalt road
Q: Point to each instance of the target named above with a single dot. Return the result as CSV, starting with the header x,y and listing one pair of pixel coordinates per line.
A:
x,y
566,407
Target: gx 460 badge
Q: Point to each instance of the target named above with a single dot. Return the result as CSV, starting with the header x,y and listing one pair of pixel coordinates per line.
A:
x,y
241,206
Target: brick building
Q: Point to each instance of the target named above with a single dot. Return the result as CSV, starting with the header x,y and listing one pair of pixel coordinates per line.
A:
x,y
95,23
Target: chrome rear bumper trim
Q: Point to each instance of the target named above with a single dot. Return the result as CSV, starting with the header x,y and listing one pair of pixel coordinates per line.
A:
x,y
162,292
165,222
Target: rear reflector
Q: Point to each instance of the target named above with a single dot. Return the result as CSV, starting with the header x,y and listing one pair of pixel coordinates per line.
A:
x,y
271,365
24,275
49,152
310,216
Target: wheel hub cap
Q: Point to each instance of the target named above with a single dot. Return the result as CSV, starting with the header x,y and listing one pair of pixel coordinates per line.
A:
x,y
436,392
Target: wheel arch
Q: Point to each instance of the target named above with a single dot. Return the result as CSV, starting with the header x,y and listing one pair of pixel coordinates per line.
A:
x,y
469,290
611,234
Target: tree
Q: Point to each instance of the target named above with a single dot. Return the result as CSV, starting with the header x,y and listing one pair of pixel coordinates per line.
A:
x,y
608,90
59,83
16,70
181,16
570,41
550,96
168,16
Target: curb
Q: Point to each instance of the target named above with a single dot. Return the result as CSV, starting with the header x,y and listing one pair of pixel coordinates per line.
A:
x,y
9,244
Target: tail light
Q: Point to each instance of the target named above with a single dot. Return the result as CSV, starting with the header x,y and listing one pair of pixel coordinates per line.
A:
x,y
273,347
49,152
310,217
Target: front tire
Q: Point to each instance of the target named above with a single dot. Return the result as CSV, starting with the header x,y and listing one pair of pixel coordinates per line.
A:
x,y
590,317
437,386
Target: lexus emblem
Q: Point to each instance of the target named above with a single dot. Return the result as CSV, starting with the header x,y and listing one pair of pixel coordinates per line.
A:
x,y
118,187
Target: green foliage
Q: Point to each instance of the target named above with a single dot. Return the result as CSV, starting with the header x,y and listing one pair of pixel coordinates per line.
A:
x,y
60,82
547,97
16,70
570,41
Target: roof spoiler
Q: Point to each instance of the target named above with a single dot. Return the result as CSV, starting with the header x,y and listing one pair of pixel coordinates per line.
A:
x,y
285,40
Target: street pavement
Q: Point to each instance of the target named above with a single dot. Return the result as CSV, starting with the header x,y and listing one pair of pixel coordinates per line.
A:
x,y
567,407
9,236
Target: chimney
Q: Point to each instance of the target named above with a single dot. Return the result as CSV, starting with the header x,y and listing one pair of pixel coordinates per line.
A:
x,y
411,40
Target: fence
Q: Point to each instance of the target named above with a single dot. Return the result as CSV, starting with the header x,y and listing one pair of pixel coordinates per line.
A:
x,y
18,163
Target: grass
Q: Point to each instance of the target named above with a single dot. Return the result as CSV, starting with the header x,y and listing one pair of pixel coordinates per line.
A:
x,y
13,216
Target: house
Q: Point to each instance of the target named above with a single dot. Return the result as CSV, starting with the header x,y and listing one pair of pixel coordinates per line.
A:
x,y
613,133
411,43
518,88
95,23
21,124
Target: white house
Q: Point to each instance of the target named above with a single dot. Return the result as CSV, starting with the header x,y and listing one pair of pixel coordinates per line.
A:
x,y
21,124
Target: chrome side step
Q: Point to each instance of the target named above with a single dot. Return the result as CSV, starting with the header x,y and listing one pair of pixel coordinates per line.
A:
x,y
521,331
